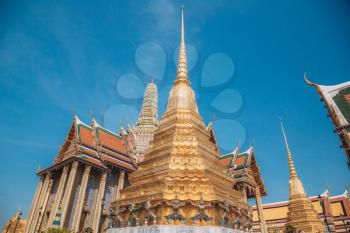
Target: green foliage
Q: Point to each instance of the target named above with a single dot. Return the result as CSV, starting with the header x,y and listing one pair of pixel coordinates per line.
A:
x,y
290,229
57,230
88,230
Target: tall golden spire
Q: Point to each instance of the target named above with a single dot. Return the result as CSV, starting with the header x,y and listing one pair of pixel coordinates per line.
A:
x,y
182,73
292,170
182,96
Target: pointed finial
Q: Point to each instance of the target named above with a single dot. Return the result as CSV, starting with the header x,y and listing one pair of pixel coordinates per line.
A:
x,y
102,116
292,170
308,82
127,119
346,192
182,24
39,169
121,122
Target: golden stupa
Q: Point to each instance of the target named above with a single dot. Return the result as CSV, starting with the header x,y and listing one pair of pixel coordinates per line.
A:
x,y
301,213
181,180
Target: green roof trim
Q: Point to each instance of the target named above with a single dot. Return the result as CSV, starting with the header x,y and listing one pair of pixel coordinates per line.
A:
x,y
244,165
342,103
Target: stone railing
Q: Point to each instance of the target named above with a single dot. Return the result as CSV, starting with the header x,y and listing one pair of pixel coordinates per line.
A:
x,y
174,229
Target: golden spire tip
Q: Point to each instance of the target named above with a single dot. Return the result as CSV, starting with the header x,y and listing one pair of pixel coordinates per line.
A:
x,y
292,170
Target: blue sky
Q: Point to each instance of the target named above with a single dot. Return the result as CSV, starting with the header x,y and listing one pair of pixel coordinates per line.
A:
x,y
247,61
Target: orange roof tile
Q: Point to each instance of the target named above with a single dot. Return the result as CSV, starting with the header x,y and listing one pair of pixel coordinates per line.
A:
x,y
85,135
240,161
110,140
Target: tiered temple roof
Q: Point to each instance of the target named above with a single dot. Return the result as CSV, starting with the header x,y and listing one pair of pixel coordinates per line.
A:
x,y
138,138
94,145
244,168
337,103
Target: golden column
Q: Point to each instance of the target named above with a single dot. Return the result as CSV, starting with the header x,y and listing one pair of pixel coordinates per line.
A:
x,y
58,196
98,211
120,185
80,202
34,204
263,227
38,208
68,192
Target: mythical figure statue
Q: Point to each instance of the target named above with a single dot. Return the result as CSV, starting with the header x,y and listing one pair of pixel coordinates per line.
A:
x,y
237,223
133,220
175,214
201,215
150,216
225,219
114,218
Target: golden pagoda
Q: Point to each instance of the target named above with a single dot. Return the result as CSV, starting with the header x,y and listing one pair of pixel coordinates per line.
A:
x,y
180,180
301,213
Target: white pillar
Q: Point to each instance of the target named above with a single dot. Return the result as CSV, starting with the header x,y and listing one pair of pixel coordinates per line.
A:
x,y
80,202
263,227
68,192
58,196
34,204
98,211
38,209
46,198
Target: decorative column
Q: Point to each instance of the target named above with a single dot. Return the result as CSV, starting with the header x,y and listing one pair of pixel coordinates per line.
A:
x,y
58,196
80,202
38,208
68,192
48,191
263,227
120,184
34,204
100,195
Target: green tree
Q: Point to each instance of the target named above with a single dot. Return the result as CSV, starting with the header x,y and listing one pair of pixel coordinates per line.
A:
x,y
290,229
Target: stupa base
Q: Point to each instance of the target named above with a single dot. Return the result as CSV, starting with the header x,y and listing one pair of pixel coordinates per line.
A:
x,y
174,229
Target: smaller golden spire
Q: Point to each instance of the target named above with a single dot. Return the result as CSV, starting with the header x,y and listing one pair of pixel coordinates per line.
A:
x,y
292,170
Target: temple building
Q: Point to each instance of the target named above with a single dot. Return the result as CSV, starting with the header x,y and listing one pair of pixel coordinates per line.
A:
x,y
301,214
76,191
137,139
335,209
167,175
242,166
15,224
337,101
